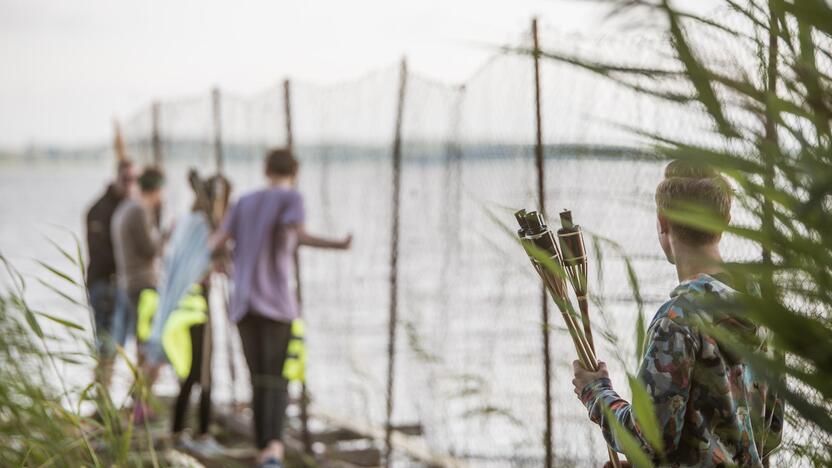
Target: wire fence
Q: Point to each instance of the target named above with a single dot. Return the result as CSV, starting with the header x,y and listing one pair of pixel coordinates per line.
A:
x,y
467,359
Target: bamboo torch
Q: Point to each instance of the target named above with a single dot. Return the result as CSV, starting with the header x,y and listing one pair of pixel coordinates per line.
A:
x,y
537,238
534,234
574,258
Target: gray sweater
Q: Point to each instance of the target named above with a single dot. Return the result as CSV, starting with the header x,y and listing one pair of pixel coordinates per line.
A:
x,y
136,244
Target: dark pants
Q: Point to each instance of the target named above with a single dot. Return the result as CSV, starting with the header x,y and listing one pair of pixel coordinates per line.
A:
x,y
180,408
264,344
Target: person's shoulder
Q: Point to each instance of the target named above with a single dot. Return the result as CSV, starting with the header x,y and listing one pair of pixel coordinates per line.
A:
x,y
691,305
294,195
284,194
246,198
102,203
271,196
132,207
701,294
673,310
263,193
127,209
677,315
95,210
704,284
672,320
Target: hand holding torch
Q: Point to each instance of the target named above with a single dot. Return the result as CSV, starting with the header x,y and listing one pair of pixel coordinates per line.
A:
x,y
554,261
542,248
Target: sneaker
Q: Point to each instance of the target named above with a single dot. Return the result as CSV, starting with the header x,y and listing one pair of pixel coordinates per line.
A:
x,y
272,462
207,447
182,440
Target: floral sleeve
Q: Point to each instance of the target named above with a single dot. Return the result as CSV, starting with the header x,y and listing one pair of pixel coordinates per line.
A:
x,y
665,371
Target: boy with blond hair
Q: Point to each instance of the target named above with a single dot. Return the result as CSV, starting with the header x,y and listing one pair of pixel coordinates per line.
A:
x,y
710,407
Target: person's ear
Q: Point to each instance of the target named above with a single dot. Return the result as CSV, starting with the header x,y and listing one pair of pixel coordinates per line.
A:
x,y
664,224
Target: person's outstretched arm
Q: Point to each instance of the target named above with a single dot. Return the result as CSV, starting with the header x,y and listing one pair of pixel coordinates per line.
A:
x,y
665,371
309,240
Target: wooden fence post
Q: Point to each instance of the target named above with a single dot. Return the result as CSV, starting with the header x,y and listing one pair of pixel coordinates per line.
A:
x,y
394,265
541,205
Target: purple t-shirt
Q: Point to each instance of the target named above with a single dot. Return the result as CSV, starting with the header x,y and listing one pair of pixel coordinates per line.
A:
x,y
262,226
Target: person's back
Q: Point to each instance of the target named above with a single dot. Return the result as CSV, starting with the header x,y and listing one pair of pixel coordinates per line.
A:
x,y
101,269
102,264
135,244
262,224
266,227
710,408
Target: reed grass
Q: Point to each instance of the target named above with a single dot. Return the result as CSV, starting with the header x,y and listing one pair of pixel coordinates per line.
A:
x,y
773,130
43,421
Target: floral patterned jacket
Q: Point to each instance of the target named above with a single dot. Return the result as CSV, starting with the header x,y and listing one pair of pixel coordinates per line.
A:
x,y
711,409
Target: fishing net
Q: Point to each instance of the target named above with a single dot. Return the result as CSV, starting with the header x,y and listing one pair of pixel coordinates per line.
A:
x,y
468,363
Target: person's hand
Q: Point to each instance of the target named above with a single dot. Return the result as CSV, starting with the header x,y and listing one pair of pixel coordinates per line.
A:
x,y
346,243
584,377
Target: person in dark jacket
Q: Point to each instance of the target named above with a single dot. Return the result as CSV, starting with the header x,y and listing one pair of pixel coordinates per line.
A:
x,y
137,244
101,270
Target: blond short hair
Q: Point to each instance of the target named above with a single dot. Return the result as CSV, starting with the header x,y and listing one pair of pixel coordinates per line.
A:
x,y
688,185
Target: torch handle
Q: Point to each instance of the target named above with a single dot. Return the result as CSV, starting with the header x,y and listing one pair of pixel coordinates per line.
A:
x,y
586,353
614,461
583,305
584,345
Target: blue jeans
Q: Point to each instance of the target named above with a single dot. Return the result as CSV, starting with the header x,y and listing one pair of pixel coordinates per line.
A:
x,y
104,303
124,321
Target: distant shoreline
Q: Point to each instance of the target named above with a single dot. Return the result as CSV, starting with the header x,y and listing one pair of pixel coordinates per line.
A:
x,y
412,152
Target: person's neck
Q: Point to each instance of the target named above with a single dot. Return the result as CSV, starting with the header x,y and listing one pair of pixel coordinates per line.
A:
x,y
693,261
280,182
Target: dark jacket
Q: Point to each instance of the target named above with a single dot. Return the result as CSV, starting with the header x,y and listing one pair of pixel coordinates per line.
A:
x,y
102,265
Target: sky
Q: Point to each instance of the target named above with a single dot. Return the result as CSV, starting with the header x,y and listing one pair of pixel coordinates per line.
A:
x,y
70,66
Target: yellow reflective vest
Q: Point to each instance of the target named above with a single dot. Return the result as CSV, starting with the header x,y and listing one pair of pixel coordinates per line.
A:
x,y
176,335
294,369
146,309
192,310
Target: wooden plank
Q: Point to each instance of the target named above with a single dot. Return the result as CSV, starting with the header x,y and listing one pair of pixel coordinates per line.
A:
x,y
413,447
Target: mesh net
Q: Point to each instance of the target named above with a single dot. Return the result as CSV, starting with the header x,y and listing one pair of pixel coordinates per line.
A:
x,y
468,359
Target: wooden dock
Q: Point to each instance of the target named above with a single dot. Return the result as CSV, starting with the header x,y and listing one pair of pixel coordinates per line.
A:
x,y
336,442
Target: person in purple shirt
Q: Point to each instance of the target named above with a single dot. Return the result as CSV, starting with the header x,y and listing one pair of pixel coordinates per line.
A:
x,y
264,229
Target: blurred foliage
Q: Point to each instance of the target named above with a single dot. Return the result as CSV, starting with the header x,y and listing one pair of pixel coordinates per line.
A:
x,y
41,417
770,112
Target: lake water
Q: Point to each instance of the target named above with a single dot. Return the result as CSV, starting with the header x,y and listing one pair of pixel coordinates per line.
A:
x,y
468,357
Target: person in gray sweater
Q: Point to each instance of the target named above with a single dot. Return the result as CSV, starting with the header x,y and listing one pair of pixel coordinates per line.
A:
x,y
137,245
136,239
